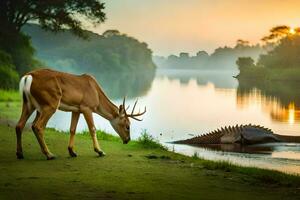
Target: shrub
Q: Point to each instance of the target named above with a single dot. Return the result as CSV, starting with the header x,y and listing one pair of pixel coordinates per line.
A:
x,y
149,141
9,78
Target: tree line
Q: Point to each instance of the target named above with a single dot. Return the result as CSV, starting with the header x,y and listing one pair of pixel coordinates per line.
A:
x,y
282,60
111,51
221,58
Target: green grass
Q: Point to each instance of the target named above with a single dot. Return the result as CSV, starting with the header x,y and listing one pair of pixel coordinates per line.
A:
x,y
10,110
9,95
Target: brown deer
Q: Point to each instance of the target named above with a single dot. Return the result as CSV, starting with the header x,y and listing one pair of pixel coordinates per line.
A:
x,y
45,91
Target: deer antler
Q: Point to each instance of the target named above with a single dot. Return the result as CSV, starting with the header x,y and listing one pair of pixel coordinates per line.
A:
x,y
132,115
124,104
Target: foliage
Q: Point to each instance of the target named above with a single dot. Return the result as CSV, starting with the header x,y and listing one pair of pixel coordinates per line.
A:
x,y
279,32
111,51
51,15
248,69
282,62
243,62
147,141
18,46
8,76
284,55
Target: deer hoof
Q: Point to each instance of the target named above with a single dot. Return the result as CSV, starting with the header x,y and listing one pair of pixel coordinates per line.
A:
x,y
100,152
20,155
50,157
71,152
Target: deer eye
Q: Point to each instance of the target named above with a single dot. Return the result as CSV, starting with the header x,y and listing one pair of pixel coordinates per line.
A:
x,y
127,127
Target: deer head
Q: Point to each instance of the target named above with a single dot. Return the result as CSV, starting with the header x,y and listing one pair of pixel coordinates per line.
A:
x,y
121,123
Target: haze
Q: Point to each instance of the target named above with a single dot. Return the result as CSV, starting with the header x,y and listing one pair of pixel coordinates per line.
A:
x,y
172,26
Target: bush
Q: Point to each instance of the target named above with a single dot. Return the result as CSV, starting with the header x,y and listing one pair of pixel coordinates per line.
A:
x,y
147,141
9,78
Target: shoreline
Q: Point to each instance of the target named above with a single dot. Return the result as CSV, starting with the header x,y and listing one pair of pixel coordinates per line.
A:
x,y
147,171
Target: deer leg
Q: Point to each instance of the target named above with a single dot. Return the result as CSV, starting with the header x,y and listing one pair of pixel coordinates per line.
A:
x,y
38,129
74,121
90,122
26,112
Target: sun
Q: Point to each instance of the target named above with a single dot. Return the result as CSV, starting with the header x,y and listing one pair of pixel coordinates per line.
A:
x,y
292,31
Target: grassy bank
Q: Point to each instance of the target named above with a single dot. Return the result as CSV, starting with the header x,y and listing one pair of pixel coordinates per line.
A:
x,y
131,171
139,170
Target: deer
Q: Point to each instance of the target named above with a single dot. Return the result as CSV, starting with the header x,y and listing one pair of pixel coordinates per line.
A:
x,y
46,91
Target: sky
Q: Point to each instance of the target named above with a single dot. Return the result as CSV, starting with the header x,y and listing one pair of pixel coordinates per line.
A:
x,y
174,26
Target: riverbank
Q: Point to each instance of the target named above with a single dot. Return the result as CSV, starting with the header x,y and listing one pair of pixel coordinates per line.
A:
x,y
264,74
128,172
138,170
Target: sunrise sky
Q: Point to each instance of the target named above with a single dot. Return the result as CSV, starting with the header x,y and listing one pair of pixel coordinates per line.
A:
x,y
172,26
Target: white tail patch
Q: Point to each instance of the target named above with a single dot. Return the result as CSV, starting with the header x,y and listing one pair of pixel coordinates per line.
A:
x,y
24,87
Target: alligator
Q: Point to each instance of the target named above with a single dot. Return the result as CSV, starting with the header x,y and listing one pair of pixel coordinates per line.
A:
x,y
240,134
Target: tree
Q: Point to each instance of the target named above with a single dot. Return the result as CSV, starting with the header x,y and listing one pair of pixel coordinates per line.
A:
x,y
184,55
202,54
53,15
241,42
110,33
285,55
243,62
279,32
8,76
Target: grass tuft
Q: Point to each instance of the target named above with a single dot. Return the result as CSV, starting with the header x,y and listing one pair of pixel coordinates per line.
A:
x,y
148,141
218,165
195,156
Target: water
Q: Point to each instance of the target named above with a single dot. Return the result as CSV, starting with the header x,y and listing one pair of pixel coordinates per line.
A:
x,y
184,103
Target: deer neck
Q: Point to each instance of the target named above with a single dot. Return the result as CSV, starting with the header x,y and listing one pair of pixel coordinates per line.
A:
x,y
106,108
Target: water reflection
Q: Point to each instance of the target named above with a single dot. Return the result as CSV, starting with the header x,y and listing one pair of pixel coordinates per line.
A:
x,y
280,99
219,78
261,149
134,84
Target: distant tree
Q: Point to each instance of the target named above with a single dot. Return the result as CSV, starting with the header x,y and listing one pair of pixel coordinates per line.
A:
x,y
284,55
110,33
202,54
184,55
64,51
172,57
241,42
243,62
279,32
